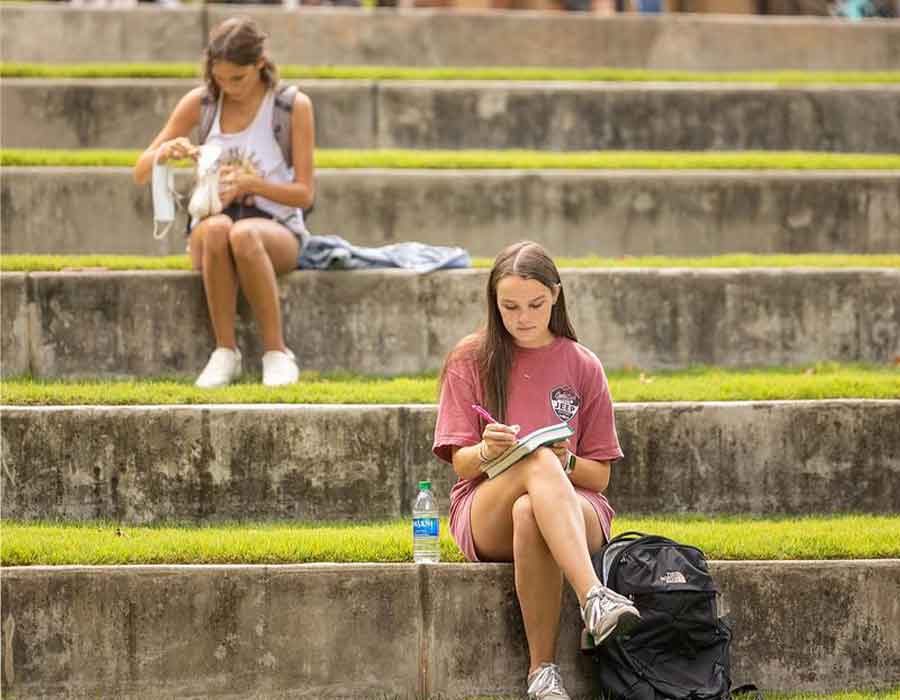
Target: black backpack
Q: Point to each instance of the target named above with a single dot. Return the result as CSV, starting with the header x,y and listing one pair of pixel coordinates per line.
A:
x,y
680,648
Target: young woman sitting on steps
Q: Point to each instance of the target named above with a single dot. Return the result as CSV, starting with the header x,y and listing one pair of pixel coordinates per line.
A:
x,y
259,233
546,513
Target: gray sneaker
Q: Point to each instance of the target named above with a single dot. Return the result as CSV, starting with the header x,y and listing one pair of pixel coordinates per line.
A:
x,y
605,611
546,684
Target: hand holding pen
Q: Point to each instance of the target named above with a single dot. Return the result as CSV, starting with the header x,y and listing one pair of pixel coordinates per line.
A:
x,y
497,437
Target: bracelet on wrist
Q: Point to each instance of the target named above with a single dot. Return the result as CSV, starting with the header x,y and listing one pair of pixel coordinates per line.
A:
x,y
569,466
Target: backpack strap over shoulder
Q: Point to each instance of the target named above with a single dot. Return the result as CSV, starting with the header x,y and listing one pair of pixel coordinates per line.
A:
x,y
281,120
207,114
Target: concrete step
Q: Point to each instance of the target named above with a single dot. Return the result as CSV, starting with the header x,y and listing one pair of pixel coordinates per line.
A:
x,y
119,113
573,213
218,463
147,324
367,631
40,33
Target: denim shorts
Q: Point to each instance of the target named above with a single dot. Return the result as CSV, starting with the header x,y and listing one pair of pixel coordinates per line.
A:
x,y
238,211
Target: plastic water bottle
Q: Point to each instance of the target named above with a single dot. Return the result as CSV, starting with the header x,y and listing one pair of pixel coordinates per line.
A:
x,y
426,546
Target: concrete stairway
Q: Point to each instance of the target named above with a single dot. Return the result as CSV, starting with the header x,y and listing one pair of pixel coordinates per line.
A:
x,y
398,631
147,324
608,213
127,113
451,630
48,33
148,464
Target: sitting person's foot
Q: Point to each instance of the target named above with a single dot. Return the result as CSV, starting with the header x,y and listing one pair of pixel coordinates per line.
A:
x,y
279,368
224,367
606,611
546,684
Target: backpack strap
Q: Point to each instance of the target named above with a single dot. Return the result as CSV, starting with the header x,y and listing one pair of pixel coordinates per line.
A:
x,y
281,120
207,114
282,126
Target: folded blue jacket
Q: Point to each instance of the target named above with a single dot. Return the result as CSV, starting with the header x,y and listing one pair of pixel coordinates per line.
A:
x,y
335,253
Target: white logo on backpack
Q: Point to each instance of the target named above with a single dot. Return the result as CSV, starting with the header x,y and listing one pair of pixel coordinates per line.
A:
x,y
673,577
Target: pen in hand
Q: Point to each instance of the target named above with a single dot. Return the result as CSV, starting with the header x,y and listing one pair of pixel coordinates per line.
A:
x,y
484,414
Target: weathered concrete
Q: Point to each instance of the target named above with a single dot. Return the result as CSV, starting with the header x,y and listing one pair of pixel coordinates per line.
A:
x,y
14,351
655,116
358,631
199,632
143,324
491,115
323,36
572,213
124,113
214,463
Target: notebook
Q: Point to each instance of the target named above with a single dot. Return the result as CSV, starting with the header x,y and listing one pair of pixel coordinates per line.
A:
x,y
525,446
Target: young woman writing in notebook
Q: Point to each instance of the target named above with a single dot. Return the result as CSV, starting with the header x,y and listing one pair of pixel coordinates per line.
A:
x,y
547,513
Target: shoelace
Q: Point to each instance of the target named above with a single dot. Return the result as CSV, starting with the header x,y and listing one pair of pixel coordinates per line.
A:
x,y
548,678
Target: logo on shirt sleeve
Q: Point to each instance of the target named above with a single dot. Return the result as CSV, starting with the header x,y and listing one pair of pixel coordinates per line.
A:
x,y
565,402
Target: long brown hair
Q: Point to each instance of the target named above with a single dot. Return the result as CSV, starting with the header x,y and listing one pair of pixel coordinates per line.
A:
x,y
240,41
492,346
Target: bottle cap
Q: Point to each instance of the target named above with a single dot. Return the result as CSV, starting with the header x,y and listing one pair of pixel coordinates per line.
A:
x,y
424,486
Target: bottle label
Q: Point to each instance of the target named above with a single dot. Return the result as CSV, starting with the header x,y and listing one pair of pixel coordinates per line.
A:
x,y
425,527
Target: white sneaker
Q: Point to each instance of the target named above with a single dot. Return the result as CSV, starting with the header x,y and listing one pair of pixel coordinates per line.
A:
x,y
546,684
224,367
279,368
606,611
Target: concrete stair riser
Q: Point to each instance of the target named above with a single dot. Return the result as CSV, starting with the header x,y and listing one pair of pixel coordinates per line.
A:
x,y
572,213
363,631
144,324
486,115
221,463
325,36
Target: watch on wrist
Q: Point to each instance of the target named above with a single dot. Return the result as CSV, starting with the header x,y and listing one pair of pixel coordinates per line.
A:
x,y
570,464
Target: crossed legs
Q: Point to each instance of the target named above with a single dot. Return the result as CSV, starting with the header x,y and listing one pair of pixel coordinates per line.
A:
x,y
531,515
250,253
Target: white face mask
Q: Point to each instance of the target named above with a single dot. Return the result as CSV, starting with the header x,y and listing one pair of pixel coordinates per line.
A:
x,y
163,199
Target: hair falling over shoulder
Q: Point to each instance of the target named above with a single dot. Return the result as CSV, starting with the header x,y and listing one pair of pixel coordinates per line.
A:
x,y
238,40
491,346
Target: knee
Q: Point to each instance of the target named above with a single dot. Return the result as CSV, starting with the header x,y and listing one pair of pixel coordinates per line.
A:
x,y
244,239
541,463
215,239
523,516
527,537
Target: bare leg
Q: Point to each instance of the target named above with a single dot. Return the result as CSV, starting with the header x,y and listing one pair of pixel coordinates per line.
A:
x,y
210,254
263,249
539,579
507,524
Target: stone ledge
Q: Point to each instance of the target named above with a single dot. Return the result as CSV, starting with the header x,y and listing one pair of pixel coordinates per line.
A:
x,y
486,115
64,211
214,463
362,631
45,33
144,324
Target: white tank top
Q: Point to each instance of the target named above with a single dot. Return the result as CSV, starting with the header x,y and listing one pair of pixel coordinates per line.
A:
x,y
256,144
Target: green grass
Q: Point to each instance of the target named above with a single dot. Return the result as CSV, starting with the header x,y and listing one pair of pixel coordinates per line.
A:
x,y
506,160
814,382
51,263
725,537
507,73
886,694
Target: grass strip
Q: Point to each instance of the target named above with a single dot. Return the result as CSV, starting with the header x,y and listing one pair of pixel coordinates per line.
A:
x,y
724,537
405,159
501,73
57,263
813,382
885,694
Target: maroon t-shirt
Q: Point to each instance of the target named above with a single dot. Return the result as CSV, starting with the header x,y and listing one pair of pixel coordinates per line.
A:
x,y
562,381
